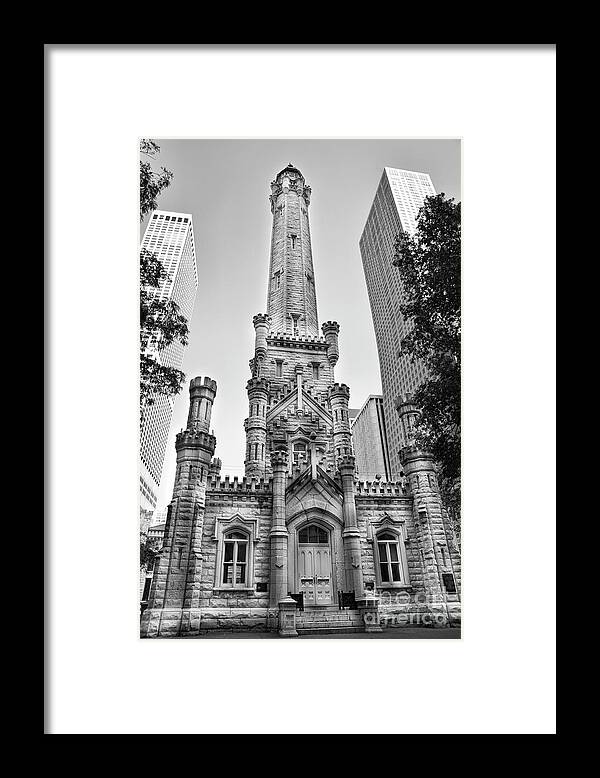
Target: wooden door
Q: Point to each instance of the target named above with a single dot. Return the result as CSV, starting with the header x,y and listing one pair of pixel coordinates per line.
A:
x,y
314,568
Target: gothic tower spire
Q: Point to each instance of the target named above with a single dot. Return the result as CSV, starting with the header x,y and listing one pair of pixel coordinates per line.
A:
x,y
293,365
291,297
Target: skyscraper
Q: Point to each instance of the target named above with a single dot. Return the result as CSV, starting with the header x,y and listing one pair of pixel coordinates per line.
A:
x,y
170,236
399,197
369,439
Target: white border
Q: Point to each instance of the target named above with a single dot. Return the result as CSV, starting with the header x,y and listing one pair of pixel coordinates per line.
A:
x,y
500,677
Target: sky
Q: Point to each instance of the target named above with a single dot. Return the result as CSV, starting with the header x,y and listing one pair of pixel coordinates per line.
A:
x,y
225,185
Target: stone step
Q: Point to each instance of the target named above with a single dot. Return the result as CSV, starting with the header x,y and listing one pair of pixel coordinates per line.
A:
x,y
326,612
328,629
330,617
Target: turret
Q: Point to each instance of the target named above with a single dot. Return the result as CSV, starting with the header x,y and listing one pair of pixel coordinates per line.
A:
x,y
202,397
214,469
261,329
339,397
408,413
256,427
195,445
330,333
176,563
439,557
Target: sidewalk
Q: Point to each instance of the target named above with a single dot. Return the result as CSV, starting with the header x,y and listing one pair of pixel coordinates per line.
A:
x,y
402,633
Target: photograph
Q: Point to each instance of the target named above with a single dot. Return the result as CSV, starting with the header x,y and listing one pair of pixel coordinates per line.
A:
x,y
300,388
301,311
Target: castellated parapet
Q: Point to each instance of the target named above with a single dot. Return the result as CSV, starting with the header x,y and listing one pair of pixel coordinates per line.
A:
x,y
192,439
257,387
236,484
314,342
260,320
341,391
381,488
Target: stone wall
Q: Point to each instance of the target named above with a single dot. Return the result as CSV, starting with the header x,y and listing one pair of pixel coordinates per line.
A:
x,y
292,356
235,609
422,603
248,505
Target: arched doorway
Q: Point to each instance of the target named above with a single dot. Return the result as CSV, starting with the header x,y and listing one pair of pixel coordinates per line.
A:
x,y
314,565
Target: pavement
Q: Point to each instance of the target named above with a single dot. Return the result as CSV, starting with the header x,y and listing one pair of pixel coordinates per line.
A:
x,y
402,633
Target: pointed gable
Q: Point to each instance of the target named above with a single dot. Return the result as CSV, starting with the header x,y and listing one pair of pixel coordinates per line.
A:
x,y
291,401
304,494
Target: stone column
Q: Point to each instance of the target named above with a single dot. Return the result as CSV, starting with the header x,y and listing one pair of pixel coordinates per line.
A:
x,y
279,535
350,533
298,370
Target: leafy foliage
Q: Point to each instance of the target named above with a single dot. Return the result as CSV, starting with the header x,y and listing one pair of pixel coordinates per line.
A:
x,y
161,322
151,183
148,549
429,266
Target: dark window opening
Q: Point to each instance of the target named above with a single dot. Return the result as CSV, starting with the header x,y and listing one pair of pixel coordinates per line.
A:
x,y
313,534
235,559
389,558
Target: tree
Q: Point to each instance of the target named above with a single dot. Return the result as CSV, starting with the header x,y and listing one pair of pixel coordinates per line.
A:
x,y
161,322
429,266
148,551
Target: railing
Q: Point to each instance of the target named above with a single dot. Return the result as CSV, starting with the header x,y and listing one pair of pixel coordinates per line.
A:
x,y
346,600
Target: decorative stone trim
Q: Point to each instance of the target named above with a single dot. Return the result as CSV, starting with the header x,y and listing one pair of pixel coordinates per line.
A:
x,y
248,527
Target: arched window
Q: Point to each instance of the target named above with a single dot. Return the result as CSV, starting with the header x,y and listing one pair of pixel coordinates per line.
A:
x,y
313,534
391,569
235,559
